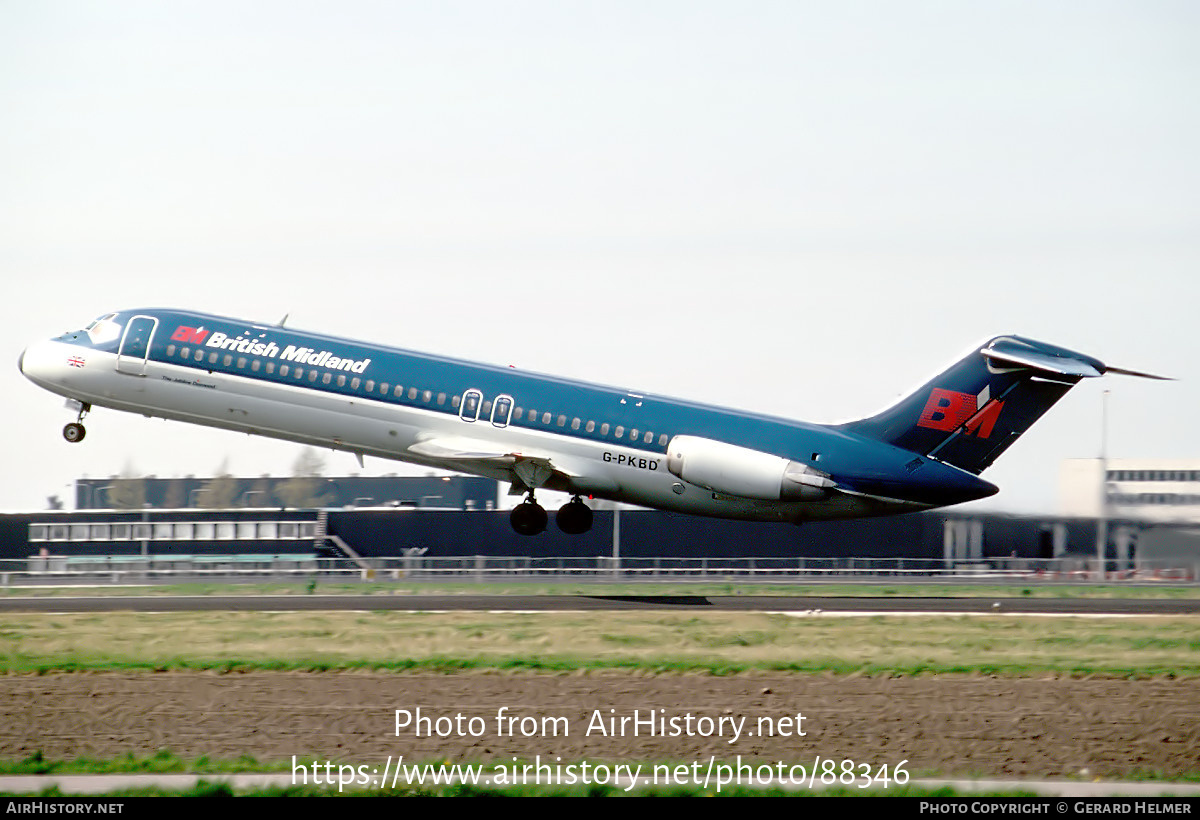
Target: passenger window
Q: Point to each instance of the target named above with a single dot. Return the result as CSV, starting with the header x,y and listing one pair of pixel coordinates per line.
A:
x,y
298,372
545,418
441,399
398,391
170,350
604,429
283,370
633,434
184,352
212,358
327,378
662,440
199,355
271,367
533,415
228,360
383,388
454,402
620,431
427,396
649,437
255,365
242,363
355,382
591,426
341,380
562,421
370,385
575,423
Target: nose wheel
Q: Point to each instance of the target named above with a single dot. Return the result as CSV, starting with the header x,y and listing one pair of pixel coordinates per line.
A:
x,y
75,431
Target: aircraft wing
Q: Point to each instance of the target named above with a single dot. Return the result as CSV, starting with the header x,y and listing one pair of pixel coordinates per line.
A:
x,y
456,448
528,470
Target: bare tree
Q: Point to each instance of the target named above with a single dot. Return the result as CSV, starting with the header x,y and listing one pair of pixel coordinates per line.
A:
x,y
128,490
303,489
175,496
221,491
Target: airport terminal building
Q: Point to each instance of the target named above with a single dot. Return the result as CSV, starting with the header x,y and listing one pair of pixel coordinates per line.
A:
x,y
457,516
1163,490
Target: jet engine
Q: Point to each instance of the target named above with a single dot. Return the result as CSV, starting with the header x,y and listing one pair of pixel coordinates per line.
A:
x,y
740,471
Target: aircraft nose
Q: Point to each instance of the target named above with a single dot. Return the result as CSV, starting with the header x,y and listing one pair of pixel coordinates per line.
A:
x,y
37,362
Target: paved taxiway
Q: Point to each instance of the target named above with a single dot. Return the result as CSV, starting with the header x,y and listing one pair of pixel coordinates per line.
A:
x,y
561,603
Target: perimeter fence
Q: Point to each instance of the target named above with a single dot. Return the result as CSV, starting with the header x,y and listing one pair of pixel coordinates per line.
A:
x,y
160,569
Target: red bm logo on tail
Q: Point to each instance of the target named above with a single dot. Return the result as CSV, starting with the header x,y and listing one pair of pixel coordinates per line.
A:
x,y
948,410
183,333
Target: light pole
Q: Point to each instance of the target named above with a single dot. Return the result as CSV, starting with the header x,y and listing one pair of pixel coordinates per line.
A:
x,y
1102,521
616,542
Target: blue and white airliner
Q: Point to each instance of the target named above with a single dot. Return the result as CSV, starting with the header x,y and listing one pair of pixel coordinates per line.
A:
x,y
535,431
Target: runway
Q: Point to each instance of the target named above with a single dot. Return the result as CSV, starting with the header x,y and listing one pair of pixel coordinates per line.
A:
x,y
884,605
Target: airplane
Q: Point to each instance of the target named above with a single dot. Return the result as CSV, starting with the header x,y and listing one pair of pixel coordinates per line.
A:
x,y
536,432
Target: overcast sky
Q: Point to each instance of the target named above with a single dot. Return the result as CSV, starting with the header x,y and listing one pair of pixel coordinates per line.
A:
x,y
800,208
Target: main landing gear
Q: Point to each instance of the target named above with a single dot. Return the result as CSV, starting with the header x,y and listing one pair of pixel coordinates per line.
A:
x,y
529,517
75,431
574,517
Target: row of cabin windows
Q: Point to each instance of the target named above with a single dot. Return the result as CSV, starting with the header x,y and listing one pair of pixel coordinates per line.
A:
x,y
646,437
298,373
397,391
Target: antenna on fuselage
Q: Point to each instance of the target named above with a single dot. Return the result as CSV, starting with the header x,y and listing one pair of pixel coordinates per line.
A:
x,y
283,321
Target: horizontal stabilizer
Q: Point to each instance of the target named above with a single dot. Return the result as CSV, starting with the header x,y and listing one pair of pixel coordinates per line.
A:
x,y
1137,373
1012,352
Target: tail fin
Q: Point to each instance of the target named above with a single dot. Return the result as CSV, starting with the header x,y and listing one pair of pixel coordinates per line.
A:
x,y
973,412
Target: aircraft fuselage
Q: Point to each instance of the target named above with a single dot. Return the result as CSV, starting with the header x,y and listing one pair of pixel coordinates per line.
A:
x,y
533,431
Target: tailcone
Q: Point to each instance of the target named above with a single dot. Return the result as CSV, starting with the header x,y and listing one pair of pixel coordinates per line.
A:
x,y
931,484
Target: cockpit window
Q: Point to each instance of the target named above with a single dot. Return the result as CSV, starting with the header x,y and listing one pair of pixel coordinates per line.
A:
x,y
104,329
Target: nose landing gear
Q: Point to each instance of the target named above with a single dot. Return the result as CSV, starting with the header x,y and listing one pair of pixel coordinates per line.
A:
x,y
75,431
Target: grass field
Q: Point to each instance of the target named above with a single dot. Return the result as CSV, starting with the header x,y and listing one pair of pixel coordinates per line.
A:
x,y
715,643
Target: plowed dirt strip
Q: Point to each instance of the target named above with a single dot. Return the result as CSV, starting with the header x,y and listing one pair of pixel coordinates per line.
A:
x,y
953,726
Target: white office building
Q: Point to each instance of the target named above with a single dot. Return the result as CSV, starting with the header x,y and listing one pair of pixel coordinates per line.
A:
x,y
1152,490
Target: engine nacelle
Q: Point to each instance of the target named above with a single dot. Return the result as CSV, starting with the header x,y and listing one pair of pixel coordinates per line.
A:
x,y
732,470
